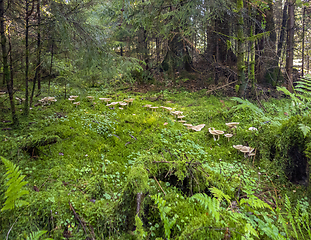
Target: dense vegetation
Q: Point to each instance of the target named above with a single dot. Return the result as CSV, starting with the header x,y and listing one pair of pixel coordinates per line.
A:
x,y
155,119
99,171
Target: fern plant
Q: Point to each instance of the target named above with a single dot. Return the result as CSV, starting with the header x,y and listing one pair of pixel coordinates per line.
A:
x,y
37,235
168,224
247,104
15,185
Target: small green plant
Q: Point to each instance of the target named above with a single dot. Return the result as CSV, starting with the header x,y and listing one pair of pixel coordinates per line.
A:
x,y
164,210
15,185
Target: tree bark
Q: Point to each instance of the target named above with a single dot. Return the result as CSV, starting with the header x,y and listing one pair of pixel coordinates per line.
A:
x,y
303,41
290,45
240,62
38,68
26,106
6,74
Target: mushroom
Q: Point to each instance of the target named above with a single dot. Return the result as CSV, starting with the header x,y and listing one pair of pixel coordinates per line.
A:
x,y
188,125
218,132
182,121
238,147
76,103
74,97
198,127
228,135
113,103
122,104
71,99
244,150
180,117
91,98
232,124
253,129
153,108
148,105
212,131
169,109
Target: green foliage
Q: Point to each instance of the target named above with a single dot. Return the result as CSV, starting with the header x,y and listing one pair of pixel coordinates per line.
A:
x,y
305,129
210,204
37,235
139,231
164,210
15,185
247,104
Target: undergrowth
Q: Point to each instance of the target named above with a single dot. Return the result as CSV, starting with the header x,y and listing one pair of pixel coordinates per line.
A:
x,y
107,173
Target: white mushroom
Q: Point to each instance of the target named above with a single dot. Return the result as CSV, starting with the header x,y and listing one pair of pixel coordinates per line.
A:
x,y
228,135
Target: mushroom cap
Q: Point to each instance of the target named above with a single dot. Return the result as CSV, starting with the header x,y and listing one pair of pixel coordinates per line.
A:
x,y
153,107
148,105
182,121
188,125
238,146
232,124
177,113
113,103
73,97
122,103
180,117
198,127
253,129
212,131
76,103
169,108
90,97
131,99
251,154
244,149
218,132
228,135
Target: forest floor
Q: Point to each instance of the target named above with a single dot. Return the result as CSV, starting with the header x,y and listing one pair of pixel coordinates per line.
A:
x,y
99,172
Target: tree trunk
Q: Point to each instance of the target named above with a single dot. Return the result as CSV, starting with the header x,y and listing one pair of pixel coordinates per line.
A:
x,y
51,65
26,107
6,74
38,68
290,45
240,62
303,41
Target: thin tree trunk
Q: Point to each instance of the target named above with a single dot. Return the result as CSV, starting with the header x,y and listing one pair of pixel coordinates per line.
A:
x,y
38,68
303,41
290,45
51,66
6,74
240,62
26,107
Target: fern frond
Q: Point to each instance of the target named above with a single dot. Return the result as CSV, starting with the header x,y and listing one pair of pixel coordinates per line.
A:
x,y
210,204
15,184
283,222
250,230
219,194
37,235
305,129
247,104
255,203
288,208
288,93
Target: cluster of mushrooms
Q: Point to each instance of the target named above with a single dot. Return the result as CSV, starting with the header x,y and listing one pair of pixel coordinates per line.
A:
x,y
47,100
217,133
123,103
248,151
179,116
73,99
